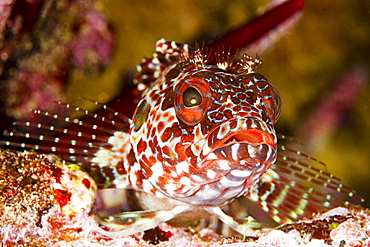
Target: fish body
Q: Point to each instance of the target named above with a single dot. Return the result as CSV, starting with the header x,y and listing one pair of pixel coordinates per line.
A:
x,y
201,136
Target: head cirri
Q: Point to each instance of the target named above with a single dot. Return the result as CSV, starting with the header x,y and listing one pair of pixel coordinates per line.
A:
x,y
203,132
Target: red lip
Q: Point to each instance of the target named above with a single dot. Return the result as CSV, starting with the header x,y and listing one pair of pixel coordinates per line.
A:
x,y
242,130
251,136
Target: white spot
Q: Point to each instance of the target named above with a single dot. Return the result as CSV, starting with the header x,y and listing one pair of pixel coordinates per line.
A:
x,y
234,151
174,174
224,129
293,215
252,151
301,206
211,174
197,178
206,150
185,181
223,65
208,193
281,198
170,188
240,173
227,183
276,218
224,165
212,156
156,74
157,170
253,196
181,167
147,186
155,60
223,153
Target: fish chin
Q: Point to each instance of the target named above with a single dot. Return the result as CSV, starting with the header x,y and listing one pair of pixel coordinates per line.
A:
x,y
239,161
227,172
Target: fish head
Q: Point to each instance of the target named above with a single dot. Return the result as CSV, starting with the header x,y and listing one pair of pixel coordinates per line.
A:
x,y
203,133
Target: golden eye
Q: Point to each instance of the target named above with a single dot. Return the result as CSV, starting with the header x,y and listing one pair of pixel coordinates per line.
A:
x,y
192,100
192,97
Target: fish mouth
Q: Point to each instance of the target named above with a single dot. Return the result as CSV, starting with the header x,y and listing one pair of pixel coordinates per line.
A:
x,y
243,143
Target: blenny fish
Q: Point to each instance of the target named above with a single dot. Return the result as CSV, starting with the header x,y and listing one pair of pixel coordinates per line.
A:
x,y
201,136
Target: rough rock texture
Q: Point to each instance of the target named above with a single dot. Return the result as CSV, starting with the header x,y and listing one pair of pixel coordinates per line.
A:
x,y
45,202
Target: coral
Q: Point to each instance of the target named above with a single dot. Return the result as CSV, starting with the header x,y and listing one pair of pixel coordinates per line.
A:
x,y
42,199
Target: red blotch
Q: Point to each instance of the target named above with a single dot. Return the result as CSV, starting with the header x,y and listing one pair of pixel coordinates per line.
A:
x,y
160,127
63,197
171,119
56,173
180,150
176,130
86,182
187,138
152,160
166,150
166,135
141,146
120,168
241,96
233,124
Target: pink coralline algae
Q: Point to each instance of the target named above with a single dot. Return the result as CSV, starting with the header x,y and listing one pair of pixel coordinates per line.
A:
x,y
38,51
92,48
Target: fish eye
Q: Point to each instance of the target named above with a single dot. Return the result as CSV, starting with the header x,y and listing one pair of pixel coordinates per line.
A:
x,y
192,97
192,100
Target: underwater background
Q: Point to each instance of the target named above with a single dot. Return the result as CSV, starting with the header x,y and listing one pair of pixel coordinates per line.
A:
x,y
319,63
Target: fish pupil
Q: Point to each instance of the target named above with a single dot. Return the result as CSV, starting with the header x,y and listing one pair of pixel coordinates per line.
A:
x,y
192,97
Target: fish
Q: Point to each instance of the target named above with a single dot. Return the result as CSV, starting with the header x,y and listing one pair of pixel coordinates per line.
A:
x,y
202,137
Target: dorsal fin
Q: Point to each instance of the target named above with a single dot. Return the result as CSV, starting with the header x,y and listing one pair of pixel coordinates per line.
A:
x,y
167,53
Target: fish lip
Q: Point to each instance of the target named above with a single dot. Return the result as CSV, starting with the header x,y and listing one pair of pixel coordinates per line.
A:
x,y
246,142
241,130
